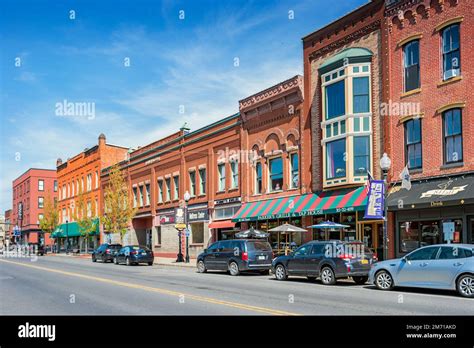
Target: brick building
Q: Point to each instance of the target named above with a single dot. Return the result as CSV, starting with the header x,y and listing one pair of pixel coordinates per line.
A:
x,y
343,72
8,225
160,173
276,140
428,125
81,174
30,190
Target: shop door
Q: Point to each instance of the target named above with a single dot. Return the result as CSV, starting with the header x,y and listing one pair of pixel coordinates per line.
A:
x,y
371,234
470,231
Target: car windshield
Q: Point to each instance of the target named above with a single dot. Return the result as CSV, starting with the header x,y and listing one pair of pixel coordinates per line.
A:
x,y
115,246
260,246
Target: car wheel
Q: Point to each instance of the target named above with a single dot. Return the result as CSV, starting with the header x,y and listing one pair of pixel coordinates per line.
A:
x,y
127,261
327,276
201,267
280,272
94,259
360,280
115,260
265,272
311,278
234,268
465,285
383,280
150,263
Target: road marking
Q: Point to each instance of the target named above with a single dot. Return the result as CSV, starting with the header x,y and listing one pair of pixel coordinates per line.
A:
x,y
159,290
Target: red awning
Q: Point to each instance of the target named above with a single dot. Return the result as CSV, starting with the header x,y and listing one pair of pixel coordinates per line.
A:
x,y
222,224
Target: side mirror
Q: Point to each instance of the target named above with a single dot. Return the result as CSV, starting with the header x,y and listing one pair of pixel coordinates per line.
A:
x,y
205,250
404,259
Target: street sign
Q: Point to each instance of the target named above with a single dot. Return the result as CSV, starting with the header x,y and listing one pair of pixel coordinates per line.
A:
x,y
187,233
16,231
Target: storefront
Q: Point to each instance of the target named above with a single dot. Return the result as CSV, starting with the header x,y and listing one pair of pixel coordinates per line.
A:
x,y
222,227
198,221
69,237
345,206
432,212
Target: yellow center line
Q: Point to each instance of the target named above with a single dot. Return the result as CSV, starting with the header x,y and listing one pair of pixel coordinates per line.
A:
x,y
159,290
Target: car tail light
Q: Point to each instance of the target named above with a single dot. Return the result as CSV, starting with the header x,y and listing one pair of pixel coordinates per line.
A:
x,y
133,252
107,251
245,256
347,257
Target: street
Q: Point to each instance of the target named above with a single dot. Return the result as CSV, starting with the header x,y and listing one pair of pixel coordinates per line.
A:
x,y
55,285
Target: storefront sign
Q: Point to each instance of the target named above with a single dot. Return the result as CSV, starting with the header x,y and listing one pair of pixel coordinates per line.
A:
x,y
443,192
375,200
227,201
179,215
166,219
198,215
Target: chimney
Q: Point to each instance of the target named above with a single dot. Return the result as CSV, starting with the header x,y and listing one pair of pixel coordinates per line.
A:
x,y
59,162
101,140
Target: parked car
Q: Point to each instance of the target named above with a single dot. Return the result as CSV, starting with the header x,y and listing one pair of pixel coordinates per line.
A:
x,y
328,260
236,255
37,249
440,266
133,255
105,252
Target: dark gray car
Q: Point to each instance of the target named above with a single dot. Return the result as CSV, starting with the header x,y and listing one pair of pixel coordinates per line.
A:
x,y
236,255
328,260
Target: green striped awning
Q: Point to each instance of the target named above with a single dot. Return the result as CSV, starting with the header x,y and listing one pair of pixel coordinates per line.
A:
x,y
72,229
326,202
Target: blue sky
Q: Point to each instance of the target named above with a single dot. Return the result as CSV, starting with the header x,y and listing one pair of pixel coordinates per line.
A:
x,y
174,64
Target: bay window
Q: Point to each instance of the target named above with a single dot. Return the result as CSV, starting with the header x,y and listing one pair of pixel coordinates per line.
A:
x,y
276,174
336,159
335,99
361,155
360,94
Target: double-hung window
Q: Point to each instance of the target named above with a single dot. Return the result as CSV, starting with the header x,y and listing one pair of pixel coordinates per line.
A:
x,y
451,50
361,155
202,181
221,174
360,94
335,100
176,187
258,178
336,159
294,180
234,167
411,58
160,191
276,174
192,183
168,189
452,136
413,154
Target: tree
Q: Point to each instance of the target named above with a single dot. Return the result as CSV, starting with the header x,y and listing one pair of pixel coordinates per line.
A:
x,y
119,211
50,220
82,214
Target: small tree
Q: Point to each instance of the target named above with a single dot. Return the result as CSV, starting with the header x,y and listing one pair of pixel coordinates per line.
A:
x,y
118,211
82,214
50,220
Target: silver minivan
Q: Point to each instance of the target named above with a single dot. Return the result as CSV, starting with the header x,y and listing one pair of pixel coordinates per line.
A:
x,y
440,266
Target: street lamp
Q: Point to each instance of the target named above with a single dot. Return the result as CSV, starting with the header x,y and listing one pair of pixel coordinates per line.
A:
x,y
187,197
385,163
67,237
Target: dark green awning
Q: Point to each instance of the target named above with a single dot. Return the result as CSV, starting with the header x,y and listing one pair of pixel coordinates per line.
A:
x,y
72,229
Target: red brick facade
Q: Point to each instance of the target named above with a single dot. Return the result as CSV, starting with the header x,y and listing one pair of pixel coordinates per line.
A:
x,y
30,191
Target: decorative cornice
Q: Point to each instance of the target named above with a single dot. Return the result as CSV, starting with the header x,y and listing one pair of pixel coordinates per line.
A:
x,y
273,92
400,6
346,40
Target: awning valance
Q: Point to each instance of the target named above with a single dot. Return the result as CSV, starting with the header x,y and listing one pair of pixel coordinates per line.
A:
x,y
72,229
325,202
433,193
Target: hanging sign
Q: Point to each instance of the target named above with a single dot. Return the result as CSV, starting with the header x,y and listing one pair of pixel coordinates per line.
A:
x,y
375,200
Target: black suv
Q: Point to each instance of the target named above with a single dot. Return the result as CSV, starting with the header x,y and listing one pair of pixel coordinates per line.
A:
x,y
105,252
328,260
236,255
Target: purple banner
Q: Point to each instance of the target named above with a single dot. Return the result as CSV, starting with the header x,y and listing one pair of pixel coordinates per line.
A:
x,y
375,200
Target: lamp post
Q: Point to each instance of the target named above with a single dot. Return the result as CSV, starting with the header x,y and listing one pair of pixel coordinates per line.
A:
x,y
187,197
385,163
67,237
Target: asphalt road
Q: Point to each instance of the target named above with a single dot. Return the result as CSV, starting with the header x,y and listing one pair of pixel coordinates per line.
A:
x,y
55,285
